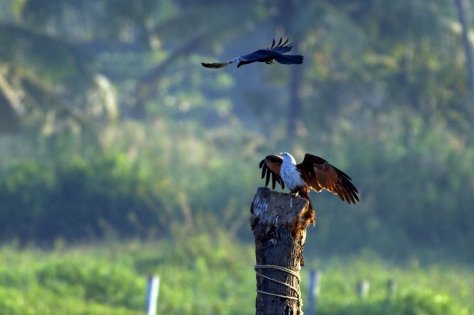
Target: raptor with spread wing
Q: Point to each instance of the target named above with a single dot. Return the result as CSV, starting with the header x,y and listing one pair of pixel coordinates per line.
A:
x,y
314,173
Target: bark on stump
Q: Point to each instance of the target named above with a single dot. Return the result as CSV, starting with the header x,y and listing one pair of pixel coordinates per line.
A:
x,y
279,223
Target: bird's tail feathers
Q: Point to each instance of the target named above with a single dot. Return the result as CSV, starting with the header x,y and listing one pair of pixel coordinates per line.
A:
x,y
289,59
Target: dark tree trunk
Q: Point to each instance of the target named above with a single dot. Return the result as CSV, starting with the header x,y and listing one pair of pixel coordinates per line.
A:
x,y
464,19
284,23
279,223
11,107
294,108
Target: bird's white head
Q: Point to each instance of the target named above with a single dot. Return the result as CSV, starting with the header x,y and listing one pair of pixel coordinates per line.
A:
x,y
288,157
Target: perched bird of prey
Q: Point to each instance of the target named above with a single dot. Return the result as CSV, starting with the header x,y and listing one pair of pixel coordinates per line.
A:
x,y
314,173
275,52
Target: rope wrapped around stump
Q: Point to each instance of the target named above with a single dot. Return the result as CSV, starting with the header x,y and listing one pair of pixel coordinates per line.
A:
x,y
289,271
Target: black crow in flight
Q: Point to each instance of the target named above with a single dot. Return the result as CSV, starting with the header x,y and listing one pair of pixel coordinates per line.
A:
x,y
263,55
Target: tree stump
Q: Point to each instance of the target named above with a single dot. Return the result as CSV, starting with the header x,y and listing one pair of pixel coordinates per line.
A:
x,y
279,223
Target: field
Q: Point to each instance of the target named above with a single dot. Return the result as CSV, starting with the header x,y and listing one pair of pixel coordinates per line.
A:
x,y
122,156
204,275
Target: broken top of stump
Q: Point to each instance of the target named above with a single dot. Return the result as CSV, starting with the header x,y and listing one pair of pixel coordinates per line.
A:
x,y
271,207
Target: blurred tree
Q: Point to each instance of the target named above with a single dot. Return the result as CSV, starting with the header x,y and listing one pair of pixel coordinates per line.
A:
x,y
374,55
45,80
463,9
284,19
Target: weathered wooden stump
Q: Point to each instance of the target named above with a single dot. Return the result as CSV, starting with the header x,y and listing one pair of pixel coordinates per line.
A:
x,y
279,223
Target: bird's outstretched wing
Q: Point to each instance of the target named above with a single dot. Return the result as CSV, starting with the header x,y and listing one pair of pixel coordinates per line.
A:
x,y
275,52
215,65
319,174
281,47
271,166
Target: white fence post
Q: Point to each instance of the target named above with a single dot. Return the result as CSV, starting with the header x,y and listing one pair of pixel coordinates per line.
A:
x,y
363,287
152,290
313,290
391,289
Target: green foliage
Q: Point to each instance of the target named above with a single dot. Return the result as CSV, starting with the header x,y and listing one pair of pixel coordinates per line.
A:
x,y
98,282
208,275
145,185
35,283
411,303
414,181
199,275
155,188
428,289
73,200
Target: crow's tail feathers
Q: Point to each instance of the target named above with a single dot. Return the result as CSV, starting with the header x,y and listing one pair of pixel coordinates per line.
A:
x,y
289,59
215,65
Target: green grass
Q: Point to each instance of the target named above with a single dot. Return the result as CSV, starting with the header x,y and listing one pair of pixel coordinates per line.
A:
x,y
435,289
210,275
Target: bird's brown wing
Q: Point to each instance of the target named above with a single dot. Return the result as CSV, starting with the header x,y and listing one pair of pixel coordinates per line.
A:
x,y
319,174
271,166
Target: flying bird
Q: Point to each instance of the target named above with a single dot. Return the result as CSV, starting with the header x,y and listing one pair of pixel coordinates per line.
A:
x,y
314,173
275,52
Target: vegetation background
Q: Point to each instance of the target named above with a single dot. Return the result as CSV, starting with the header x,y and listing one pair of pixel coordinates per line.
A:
x,y
120,155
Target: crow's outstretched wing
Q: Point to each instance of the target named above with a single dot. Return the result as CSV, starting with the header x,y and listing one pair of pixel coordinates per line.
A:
x,y
281,47
267,55
319,174
275,52
215,65
257,55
